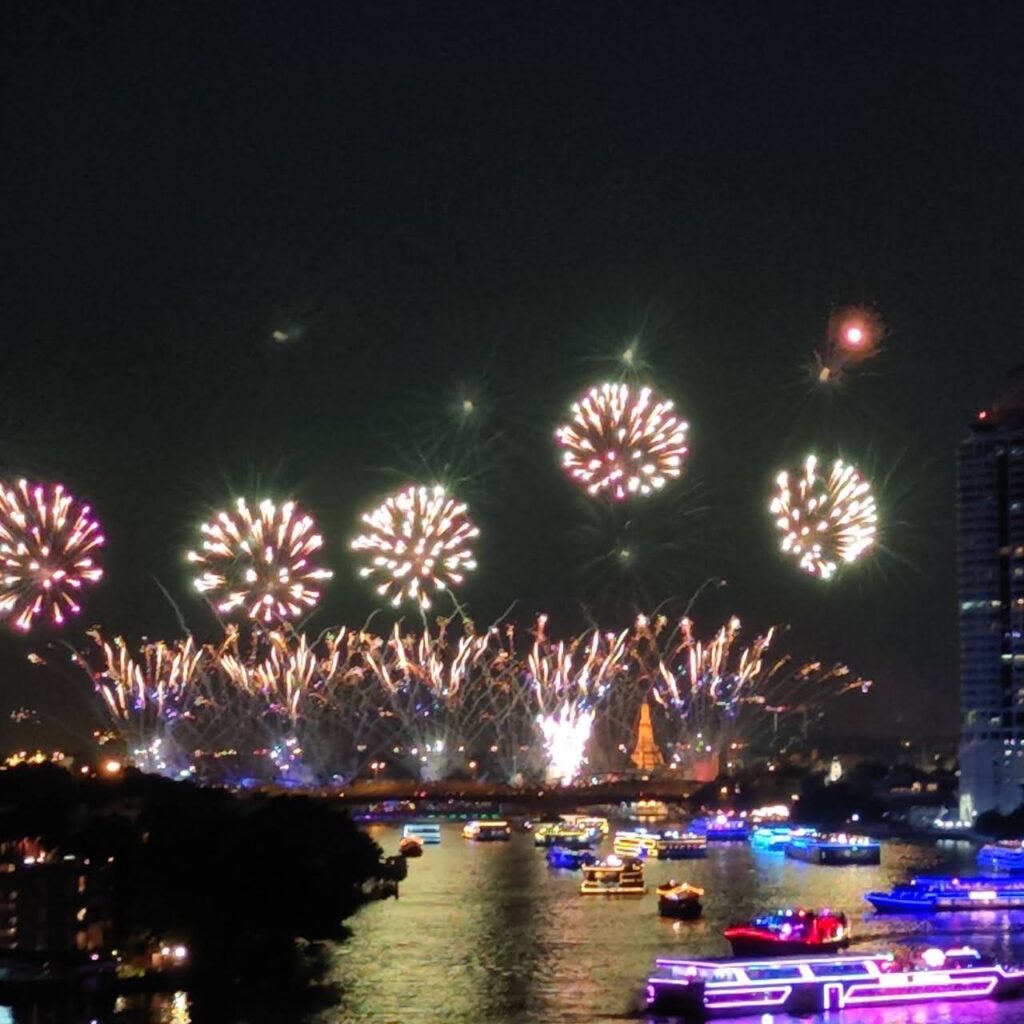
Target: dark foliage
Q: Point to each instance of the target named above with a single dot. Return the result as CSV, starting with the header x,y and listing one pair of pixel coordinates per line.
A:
x,y
238,879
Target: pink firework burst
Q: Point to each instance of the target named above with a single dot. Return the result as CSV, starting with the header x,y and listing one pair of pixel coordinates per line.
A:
x,y
419,540
259,560
47,540
623,441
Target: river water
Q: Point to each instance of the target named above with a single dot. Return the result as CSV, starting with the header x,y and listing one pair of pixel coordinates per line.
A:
x,y
487,933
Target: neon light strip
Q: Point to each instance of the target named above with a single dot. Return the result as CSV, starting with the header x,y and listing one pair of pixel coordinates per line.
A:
x,y
979,989
772,997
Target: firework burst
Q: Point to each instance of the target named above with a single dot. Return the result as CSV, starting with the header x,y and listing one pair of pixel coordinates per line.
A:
x,y
259,561
622,441
419,543
854,335
825,520
47,541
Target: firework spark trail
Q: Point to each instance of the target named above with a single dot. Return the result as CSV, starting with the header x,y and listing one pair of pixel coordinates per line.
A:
x,y
438,691
566,696
825,521
622,441
147,696
261,562
722,694
47,540
419,542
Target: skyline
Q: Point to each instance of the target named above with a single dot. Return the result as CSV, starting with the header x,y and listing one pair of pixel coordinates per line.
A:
x,y
439,211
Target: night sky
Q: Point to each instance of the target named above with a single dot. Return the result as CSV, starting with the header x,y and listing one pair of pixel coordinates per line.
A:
x,y
492,201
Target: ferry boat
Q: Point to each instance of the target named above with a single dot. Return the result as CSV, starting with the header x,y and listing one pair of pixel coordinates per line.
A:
x,y
813,984
667,845
721,828
938,894
774,838
790,932
679,900
836,848
410,846
568,858
614,876
588,822
427,832
1005,856
487,831
563,833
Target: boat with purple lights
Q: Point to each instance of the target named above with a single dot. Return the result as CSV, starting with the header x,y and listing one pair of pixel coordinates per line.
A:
x,y
569,858
789,933
721,829
941,894
702,989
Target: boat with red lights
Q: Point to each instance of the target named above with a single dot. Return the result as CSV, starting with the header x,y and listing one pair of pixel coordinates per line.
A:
x,y
680,901
411,846
702,989
790,932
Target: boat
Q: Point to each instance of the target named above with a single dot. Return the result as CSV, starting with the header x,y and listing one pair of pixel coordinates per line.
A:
x,y
590,822
1007,856
790,932
679,900
411,846
635,843
665,845
614,876
834,848
774,838
673,845
427,832
562,833
721,829
938,894
701,989
568,858
487,831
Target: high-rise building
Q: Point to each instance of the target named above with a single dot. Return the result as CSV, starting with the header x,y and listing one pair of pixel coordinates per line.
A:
x,y
990,581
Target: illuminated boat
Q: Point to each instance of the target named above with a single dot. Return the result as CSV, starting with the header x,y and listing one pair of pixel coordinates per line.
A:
x,y
665,845
487,831
774,838
790,932
411,846
721,829
679,900
1003,856
614,876
563,833
939,894
835,849
568,858
427,832
703,989
589,822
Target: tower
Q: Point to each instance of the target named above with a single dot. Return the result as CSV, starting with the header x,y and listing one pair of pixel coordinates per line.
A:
x,y
646,753
990,584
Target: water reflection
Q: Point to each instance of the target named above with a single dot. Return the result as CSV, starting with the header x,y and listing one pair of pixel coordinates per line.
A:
x,y
486,932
